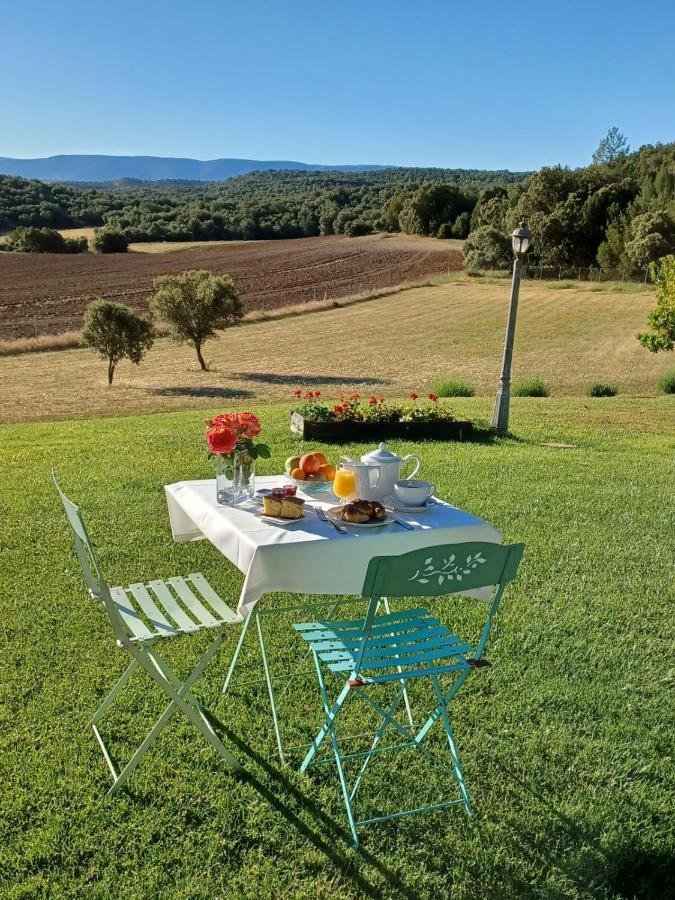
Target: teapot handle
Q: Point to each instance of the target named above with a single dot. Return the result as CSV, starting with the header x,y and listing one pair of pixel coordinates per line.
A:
x,y
417,467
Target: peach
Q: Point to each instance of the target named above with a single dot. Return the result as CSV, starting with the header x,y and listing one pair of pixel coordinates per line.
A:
x,y
309,464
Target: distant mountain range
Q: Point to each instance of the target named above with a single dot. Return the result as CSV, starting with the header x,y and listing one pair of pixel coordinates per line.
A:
x,y
151,168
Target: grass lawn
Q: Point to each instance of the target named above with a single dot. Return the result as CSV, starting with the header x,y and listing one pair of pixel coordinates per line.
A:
x,y
568,336
566,741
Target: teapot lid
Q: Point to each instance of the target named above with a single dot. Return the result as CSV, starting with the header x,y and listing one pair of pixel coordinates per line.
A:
x,y
381,455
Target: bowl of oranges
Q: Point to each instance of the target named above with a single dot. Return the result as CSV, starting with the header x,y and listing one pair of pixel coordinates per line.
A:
x,y
311,472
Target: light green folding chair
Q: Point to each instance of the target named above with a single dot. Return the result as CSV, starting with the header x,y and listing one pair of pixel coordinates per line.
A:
x,y
141,615
396,648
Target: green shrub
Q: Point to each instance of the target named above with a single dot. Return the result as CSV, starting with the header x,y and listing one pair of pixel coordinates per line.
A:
x,y
667,382
453,387
108,240
600,389
531,387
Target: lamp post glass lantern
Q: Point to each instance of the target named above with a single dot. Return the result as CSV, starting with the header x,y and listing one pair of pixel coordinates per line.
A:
x,y
520,241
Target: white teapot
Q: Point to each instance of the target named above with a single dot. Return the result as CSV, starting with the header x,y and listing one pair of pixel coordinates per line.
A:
x,y
390,470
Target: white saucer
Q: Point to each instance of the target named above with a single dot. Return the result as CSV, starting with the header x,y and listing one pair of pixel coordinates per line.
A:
x,y
394,504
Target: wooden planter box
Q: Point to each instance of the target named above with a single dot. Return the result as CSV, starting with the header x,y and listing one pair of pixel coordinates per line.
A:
x,y
368,431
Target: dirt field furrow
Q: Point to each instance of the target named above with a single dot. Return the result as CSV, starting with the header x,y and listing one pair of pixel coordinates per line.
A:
x,y
47,294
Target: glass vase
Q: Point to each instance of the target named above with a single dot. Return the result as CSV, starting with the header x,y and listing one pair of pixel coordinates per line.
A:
x,y
235,478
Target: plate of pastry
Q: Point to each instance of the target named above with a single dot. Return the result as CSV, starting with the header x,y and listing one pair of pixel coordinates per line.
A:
x,y
282,510
360,514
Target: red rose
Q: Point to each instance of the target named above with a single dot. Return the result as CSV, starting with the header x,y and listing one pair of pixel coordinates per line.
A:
x,y
433,397
413,396
247,424
221,438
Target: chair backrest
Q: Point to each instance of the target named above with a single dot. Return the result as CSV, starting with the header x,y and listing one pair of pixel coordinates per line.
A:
x,y
446,569
97,585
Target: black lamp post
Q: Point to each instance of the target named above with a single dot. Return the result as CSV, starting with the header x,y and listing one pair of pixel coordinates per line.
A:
x,y
520,240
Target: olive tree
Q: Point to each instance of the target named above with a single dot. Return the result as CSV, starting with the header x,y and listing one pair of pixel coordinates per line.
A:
x,y
195,304
116,332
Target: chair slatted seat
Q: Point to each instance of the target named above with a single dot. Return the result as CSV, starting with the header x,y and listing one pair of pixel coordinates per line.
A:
x,y
143,614
408,641
394,648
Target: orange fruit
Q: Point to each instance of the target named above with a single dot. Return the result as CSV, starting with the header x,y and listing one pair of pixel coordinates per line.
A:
x,y
298,474
309,464
320,456
327,471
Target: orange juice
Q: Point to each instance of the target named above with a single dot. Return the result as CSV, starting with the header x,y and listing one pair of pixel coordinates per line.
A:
x,y
344,484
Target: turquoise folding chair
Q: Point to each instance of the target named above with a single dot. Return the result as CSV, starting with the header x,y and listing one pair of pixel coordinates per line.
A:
x,y
141,615
401,646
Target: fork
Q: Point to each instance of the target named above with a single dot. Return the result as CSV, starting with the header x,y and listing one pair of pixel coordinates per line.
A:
x,y
321,514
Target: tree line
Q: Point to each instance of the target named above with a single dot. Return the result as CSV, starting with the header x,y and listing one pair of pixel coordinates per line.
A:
x,y
618,213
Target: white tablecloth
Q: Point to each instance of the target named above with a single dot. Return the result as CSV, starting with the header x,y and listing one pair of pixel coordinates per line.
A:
x,y
307,556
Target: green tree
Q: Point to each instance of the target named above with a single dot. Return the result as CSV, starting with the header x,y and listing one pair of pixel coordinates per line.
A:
x,y
35,240
108,240
661,319
611,147
487,248
651,237
116,332
196,303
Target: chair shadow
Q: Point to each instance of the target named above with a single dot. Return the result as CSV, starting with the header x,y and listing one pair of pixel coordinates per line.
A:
x,y
215,392
280,378
342,862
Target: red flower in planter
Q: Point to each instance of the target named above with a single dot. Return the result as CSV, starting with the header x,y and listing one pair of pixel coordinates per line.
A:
x,y
433,397
372,401
297,393
413,395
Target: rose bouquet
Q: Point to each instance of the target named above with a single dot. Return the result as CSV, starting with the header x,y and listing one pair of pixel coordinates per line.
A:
x,y
229,438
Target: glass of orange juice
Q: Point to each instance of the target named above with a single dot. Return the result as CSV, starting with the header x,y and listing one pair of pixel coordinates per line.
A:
x,y
344,484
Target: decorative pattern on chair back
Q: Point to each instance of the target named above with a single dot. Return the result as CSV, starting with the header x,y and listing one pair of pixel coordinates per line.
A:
x,y
444,569
85,554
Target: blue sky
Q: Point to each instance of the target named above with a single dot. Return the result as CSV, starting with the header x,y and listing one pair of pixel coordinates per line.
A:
x,y
472,84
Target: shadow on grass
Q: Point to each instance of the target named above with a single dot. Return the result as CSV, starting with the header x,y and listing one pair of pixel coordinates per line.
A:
x,y
215,392
632,871
279,378
325,844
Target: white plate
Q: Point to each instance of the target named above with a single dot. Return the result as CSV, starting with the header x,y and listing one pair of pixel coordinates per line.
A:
x,y
275,520
334,515
400,507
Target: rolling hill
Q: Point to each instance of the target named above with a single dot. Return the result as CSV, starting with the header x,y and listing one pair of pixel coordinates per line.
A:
x,y
95,168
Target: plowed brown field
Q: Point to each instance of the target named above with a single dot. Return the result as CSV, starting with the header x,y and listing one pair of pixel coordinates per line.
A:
x,y
47,294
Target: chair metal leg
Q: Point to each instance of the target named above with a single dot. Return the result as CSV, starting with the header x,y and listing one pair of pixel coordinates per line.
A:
x,y
336,752
105,706
181,698
435,715
379,734
459,773
326,727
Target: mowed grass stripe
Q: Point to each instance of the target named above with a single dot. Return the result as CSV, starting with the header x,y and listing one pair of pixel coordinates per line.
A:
x,y
393,344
